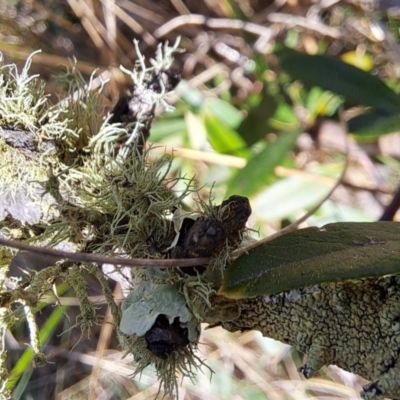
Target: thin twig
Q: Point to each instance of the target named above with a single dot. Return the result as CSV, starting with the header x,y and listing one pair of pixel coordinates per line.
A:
x,y
291,21
132,23
100,259
392,208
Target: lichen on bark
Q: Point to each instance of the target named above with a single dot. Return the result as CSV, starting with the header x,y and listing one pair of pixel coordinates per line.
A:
x,y
352,324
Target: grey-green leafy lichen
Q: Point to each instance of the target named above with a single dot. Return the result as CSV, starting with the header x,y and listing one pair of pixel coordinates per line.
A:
x,y
354,325
73,177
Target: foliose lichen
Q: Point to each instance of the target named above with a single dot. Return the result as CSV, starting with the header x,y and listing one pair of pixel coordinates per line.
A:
x,y
71,178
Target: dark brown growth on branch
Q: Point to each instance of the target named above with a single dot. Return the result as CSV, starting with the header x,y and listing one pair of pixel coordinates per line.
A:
x,y
222,225
163,338
210,233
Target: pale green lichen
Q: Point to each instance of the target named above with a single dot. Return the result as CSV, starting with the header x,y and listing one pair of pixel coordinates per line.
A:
x,y
22,96
92,188
89,316
26,118
81,111
24,104
352,324
6,255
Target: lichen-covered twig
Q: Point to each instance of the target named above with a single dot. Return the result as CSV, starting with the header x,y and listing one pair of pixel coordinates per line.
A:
x,y
354,325
100,259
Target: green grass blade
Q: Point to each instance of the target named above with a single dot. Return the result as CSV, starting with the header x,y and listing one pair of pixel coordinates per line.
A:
x,y
47,330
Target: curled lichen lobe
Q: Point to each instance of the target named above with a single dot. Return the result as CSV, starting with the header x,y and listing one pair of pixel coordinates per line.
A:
x,y
353,324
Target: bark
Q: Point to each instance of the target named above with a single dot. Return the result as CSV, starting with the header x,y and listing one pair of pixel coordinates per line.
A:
x,y
354,325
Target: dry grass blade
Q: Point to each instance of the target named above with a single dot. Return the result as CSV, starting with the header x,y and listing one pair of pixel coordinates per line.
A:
x,y
116,10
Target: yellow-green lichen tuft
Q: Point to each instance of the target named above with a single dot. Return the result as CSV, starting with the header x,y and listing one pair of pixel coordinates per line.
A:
x,y
22,96
88,316
180,364
96,191
81,112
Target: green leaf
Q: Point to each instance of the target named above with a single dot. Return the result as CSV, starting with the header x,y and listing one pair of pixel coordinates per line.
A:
x,y
222,138
45,333
373,124
320,102
287,196
284,118
165,128
256,125
190,94
332,74
224,111
335,252
253,177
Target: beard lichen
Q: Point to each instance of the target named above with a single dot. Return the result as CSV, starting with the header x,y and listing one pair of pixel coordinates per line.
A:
x,y
70,177
89,317
22,96
81,180
182,363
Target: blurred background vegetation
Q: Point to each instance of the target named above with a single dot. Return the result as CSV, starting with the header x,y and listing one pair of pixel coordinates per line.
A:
x,y
251,118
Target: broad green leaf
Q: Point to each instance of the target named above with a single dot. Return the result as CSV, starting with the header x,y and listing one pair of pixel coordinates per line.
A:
x,y
223,139
224,111
335,252
253,177
283,198
256,124
164,128
373,124
332,74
